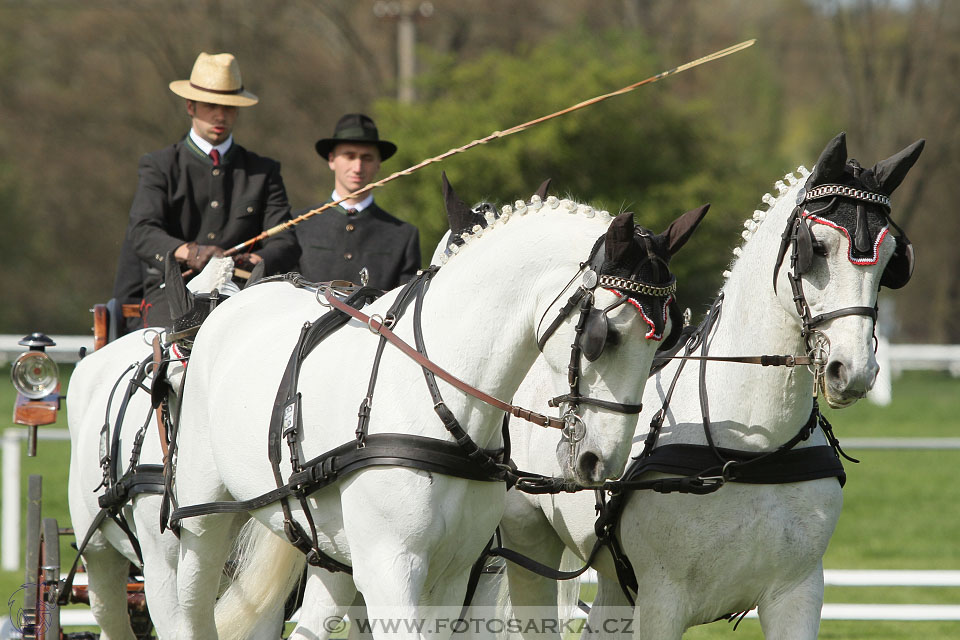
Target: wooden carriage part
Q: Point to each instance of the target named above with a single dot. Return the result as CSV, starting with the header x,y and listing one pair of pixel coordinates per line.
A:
x,y
107,318
41,617
41,613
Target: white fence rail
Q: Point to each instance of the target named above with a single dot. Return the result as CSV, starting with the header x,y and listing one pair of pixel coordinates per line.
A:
x,y
893,358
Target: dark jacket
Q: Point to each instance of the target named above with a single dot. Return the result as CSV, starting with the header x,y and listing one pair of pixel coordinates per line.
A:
x,y
182,197
337,244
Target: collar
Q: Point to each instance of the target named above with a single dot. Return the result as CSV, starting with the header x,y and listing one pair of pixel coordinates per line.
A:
x,y
206,147
360,206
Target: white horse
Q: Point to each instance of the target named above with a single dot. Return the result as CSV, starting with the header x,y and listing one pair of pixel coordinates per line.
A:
x,y
410,535
698,558
95,396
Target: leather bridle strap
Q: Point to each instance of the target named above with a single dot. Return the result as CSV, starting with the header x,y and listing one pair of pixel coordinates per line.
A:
x,y
377,326
870,312
765,361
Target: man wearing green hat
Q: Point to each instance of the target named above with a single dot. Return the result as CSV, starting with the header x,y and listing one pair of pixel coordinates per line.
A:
x,y
205,193
338,243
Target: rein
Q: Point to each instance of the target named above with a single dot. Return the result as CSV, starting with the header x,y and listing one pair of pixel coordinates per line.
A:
x,y
381,326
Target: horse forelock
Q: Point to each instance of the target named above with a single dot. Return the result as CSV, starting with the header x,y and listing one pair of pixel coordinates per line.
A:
x,y
552,205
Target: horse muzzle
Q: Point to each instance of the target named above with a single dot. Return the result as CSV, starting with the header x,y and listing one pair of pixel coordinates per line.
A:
x,y
843,384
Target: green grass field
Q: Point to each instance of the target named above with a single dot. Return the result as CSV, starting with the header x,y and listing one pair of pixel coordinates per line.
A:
x,y
900,507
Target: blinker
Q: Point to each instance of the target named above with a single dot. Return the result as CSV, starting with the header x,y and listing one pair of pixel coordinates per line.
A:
x,y
804,247
900,268
594,337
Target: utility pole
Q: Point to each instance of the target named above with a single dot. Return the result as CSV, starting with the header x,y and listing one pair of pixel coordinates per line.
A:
x,y
406,14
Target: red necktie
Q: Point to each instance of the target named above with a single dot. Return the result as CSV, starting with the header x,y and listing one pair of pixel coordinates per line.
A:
x,y
215,156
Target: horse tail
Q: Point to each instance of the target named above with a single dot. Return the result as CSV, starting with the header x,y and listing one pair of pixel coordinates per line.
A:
x,y
267,569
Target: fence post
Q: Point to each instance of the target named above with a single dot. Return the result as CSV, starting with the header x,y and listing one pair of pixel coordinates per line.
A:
x,y
11,500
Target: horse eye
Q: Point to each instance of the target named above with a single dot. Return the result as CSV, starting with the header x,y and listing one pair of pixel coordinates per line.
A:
x,y
819,248
613,337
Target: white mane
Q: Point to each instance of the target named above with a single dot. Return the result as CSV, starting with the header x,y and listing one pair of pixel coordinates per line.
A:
x,y
521,208
752,224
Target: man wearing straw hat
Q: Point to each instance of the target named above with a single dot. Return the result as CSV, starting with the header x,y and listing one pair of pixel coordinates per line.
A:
x,y
338,243
206,193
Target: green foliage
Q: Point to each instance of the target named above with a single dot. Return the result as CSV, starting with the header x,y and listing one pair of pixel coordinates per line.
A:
x,y
655,151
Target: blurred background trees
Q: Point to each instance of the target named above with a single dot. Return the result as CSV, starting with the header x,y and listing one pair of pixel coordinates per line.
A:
x,y
83,93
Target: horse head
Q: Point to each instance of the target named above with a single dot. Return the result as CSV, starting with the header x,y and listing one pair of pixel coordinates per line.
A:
x,y
628,309
842,246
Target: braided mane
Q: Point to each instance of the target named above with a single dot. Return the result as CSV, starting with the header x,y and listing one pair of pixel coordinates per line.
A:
x,y
752,224
520,208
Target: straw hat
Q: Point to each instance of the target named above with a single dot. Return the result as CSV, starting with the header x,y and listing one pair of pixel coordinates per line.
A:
x,y
215,79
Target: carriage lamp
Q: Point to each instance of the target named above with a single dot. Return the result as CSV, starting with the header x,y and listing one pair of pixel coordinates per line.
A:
x,y
35,377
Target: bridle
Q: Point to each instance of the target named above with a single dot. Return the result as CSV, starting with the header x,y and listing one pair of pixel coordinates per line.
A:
x,y
592,329
798,236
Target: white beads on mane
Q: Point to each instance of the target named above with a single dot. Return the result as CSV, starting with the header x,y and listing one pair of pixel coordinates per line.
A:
x,y
752,224
520,208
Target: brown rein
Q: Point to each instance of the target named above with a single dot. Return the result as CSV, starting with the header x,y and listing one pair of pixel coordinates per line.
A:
x,y
378,326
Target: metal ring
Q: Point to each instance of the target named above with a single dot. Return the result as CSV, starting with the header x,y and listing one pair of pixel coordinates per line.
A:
x,y
574,429
819,352
322,300
379,319
724,473
149,333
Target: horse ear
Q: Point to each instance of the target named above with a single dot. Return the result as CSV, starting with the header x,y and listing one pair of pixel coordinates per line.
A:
x,y
831,162
459,215
542,190
891,172
683,227
180,300
619,237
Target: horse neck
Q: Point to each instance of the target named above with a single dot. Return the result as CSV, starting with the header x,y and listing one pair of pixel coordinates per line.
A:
x,y
480,313
752,407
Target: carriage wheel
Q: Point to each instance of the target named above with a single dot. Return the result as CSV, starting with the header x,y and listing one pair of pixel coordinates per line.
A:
x,y
41,614
48,611
31,593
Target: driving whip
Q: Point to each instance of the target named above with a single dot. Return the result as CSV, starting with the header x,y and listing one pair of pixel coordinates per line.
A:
x,y
496,134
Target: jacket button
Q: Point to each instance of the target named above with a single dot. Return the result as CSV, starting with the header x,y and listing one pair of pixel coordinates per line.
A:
x,y
350,227
216,172
158,257
249,209
214,204
211,236
348,256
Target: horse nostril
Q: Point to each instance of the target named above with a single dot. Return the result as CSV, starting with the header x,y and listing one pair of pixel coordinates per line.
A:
x,y
837,373
589,467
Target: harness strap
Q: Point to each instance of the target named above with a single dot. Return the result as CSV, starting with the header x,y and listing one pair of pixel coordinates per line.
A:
x,y
285,424
450,422
397,309
381,449
541,569
377,326
160,366
564,312
146,478
792,465
136,382
621,407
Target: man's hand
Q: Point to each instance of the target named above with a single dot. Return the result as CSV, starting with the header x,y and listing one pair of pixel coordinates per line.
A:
x,y
198,255
246,261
